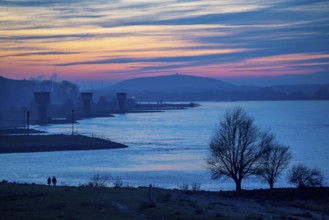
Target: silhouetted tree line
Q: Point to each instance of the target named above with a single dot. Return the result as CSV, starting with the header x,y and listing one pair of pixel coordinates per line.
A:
x,y
19,93
253,94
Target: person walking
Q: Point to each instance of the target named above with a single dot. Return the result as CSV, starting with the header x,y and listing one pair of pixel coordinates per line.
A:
x,y
49,181
54,181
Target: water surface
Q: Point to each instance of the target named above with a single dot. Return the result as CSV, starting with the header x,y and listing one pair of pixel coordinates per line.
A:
x,y
169,149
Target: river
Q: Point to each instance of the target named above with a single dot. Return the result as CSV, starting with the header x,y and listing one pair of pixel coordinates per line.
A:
x,y
169,149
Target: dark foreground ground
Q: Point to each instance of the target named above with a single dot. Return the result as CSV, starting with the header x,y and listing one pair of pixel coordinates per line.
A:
x,y
40,143
22,201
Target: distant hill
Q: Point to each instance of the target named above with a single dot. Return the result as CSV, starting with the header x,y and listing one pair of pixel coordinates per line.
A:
x,y
282,80
193,88
19,93
171,83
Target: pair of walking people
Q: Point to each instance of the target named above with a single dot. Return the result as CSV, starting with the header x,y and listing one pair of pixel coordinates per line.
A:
x,y
52,180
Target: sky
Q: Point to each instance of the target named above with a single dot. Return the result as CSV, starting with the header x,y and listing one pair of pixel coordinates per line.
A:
x,y
106,41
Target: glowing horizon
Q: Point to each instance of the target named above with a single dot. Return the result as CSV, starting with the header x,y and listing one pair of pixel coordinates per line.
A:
x,y
116,40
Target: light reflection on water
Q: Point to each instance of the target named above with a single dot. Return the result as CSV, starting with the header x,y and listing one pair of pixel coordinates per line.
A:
x,y
170,148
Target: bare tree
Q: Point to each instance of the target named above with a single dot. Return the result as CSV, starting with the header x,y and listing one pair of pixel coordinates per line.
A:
x,y
99,180
236,147
302,176
273,162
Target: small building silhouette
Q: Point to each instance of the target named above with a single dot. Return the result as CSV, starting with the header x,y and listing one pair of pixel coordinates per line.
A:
x,y
87,97
43,100
122,96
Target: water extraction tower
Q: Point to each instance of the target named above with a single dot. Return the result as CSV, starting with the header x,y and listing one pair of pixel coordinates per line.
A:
x,y
43,100
87,97
122,96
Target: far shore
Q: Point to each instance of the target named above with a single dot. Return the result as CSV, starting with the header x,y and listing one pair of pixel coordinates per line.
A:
x,y
19,130
58,142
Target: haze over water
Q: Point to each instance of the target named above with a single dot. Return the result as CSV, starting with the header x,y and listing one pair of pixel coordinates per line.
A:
x,y
169,149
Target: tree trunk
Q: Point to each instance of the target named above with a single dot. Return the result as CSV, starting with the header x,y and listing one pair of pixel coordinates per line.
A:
x,y
238,185
271,182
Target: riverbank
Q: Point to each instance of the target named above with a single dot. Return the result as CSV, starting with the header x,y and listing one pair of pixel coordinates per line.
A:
x,y
58,142
19,130
21,201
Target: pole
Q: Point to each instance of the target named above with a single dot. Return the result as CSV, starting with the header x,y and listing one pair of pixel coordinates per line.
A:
x,y
28,121
150,192
72,122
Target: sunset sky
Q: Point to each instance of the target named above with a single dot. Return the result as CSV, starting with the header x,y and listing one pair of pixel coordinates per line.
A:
x,y
109,41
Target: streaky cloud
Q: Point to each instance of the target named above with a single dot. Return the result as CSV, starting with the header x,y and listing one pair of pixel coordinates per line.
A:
x,y
129,36
37,3
156,59
44,53
40,37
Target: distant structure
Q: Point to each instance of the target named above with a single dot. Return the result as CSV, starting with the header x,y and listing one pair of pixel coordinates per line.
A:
x,y
43,100
87,97
122,96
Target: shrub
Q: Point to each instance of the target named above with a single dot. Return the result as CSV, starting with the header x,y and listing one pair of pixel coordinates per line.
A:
x,y
118,183
99,180
184,187
302,176
196,187
4,181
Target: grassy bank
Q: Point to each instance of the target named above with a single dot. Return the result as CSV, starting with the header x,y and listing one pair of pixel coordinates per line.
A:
x,y
22,201
40,143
